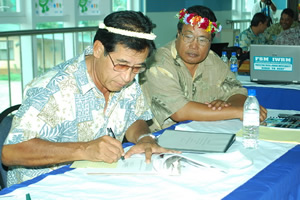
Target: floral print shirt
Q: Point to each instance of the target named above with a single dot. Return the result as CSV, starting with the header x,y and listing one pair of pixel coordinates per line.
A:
x,y
64,105
247,37
289,37
274,30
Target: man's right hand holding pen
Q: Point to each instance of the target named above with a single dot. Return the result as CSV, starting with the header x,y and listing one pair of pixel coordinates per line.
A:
x,y
105,148
109,150
112,134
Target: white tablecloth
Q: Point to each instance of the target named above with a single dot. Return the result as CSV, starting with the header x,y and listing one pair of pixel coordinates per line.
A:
x,y
201,183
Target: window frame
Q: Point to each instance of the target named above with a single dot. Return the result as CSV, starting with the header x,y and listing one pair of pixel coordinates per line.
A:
x,y
21,13
10,48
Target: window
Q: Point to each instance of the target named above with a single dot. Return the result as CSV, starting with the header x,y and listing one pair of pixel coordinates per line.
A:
x,y
10,27
119,5
88,23
5,51
247,5
10,6
47,25
242,9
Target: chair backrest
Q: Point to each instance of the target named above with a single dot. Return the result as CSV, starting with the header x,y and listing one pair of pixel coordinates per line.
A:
x,y
218,47
5,125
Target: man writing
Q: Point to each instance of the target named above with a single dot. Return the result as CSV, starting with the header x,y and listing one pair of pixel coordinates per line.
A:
x,y
83,108
187,81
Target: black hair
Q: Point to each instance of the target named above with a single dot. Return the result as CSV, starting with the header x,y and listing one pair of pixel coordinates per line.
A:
x,y
259,17
201,11
126,20
288,12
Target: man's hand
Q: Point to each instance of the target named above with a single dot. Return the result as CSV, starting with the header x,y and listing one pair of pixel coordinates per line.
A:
x,y
268,2
218,104
105,148
263,113
148,146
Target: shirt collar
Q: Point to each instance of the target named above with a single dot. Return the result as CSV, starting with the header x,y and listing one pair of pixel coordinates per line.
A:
x,y
83,79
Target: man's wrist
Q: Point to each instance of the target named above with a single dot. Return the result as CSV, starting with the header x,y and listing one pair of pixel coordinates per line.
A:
x,y
146,135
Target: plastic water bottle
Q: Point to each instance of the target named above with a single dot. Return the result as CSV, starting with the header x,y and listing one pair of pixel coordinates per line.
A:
x,y
236,41
233,63
251,121
224,57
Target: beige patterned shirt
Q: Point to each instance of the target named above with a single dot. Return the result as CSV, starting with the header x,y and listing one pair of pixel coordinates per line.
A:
x,y
168,84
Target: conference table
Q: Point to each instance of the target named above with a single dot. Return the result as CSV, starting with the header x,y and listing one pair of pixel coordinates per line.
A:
x,y
274,173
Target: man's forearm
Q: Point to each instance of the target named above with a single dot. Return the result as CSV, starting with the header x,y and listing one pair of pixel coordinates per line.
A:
x,y
201,112
37,152
237,100
273,7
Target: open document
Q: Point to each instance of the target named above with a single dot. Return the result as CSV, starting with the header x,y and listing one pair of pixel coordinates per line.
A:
x,y
135,165
167,164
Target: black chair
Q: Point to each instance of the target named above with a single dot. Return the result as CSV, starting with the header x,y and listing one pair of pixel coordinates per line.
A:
x,y
6,118
218,47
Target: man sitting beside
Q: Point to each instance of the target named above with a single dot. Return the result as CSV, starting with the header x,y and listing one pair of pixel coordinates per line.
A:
x,y
188,81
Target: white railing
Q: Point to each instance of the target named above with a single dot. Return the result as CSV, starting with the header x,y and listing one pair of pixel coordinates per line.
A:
x,y
240,24
29,53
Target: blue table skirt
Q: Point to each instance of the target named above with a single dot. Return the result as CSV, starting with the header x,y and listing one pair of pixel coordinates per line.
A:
x,y
277,98
280,180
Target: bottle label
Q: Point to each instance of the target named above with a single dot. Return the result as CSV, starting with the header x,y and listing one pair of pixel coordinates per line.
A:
x,y
251,119
233,67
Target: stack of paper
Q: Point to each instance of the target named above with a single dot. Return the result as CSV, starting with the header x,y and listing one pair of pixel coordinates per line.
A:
x,y
277,134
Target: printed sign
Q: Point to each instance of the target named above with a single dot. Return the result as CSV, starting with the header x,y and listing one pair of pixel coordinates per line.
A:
x,y
269,63
89,7
49,7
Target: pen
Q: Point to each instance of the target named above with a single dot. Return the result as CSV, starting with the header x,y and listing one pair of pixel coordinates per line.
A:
x,y
114,136
28,196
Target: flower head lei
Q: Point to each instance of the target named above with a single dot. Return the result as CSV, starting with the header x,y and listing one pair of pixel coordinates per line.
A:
x,y
195,20
147,36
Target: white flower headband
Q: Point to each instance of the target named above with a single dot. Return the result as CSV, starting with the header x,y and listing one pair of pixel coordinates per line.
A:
x,y
147,36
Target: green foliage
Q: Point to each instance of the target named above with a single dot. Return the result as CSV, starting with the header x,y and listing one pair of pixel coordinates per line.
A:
x,y
13,77
47,25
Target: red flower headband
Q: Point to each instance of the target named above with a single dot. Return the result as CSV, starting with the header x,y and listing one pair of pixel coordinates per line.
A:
x,y
195,20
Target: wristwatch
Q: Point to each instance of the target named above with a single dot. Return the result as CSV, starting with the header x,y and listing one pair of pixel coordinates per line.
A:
x,y
146,135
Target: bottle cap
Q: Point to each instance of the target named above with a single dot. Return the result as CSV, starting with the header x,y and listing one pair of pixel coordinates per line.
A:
x,y
224,53
236,36
233,53
251,92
